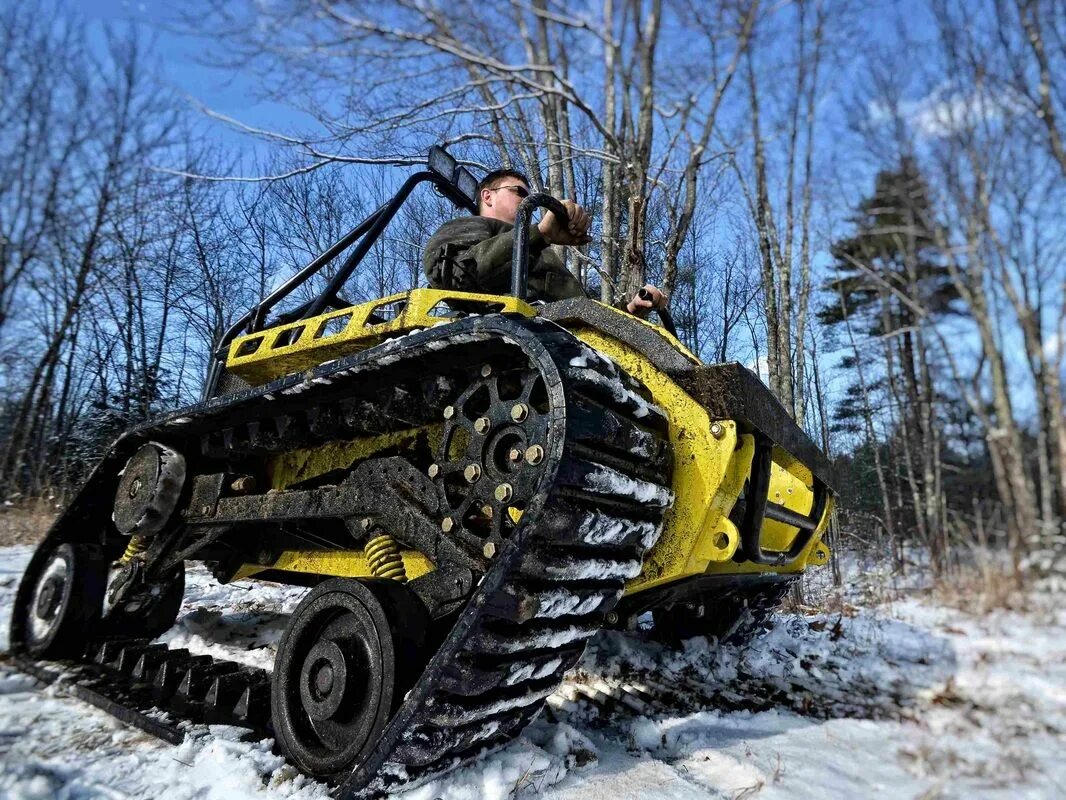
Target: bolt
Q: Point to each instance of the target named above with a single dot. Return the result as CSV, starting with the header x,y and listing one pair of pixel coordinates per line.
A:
x,y
482,425
243,485
489,549
135,487
515,455
504,492
535,454
486,370
434,470
447,524
612,618
365,523
487,510
205,510
449,412
717,430
519,412
472,473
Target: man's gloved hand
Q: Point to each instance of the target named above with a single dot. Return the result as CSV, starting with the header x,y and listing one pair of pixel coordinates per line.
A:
x,y
639,307
574,234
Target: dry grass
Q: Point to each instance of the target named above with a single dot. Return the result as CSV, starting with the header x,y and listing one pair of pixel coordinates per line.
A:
x,y
26,522
982,588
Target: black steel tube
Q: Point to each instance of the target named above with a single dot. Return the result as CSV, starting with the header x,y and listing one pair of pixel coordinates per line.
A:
x,y
520,243
755,500
664,315
381,218
369,229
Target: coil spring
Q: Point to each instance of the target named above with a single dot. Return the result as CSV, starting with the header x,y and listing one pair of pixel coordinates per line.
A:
x,y
383,556
137,545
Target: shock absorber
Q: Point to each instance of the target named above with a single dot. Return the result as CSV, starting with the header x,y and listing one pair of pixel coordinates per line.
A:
x,y
384,557
137,545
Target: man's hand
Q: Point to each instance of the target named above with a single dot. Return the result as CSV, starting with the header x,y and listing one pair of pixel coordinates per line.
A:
x,y
574,234
639,307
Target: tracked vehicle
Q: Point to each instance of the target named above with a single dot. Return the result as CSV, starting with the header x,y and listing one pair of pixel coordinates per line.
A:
x,y
471,486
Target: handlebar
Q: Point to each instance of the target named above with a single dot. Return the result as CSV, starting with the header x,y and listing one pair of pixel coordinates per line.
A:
x,y
664,315
520,246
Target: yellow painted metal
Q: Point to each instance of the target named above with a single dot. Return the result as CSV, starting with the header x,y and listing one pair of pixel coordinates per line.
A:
x,y
709,467
297,346
709,473
300,465
334,563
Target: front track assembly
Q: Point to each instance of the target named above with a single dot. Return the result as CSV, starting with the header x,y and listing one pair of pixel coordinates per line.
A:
x,y
547,525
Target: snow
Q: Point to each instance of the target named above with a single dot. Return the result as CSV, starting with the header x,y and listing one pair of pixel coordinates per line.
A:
x,y
608,481
599,528
908,698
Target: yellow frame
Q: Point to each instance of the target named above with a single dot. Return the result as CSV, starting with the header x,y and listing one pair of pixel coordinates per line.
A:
x,y
712,457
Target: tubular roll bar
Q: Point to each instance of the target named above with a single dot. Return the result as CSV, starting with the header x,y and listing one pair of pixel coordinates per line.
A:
x,y
756,507
366,233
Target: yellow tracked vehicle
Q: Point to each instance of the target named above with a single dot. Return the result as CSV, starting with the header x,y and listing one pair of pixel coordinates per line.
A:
x,y
471,486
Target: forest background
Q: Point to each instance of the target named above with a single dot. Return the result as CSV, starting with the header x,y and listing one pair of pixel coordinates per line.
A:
x,y
860,200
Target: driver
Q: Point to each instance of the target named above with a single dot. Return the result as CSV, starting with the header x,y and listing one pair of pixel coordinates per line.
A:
x,y
473,254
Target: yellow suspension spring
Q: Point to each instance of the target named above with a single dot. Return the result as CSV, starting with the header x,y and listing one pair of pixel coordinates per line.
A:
x,y
137,545
384,557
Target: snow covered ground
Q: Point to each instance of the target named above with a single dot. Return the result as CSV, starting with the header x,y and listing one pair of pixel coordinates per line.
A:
x,y
907,699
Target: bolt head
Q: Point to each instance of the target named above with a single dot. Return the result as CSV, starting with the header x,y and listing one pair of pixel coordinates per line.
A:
x,y
434,470
486,370
245,483
472,473
515,455
487,510
535,454
135,487
482,425
489,549
519,412
447,524
612,618
717,430
449,412
504,492
364,523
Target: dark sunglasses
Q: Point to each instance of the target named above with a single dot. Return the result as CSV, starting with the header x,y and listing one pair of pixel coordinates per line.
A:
x,y
521,191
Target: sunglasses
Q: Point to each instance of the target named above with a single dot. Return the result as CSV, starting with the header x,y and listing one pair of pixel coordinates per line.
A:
x,y
521,191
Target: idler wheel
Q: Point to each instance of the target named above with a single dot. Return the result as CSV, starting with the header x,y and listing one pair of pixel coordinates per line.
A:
x,y
148,490
348,656
67,600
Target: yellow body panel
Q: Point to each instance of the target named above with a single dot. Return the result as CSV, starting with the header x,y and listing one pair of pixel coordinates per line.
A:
x,y
712,457
709,473
297,346
334,563
300,465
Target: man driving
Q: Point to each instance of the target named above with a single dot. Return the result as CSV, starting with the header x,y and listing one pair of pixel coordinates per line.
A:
x,y
473,254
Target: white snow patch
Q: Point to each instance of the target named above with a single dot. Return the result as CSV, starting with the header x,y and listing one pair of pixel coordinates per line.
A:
x,y
599,528
525,672
560,602
605,480
594,568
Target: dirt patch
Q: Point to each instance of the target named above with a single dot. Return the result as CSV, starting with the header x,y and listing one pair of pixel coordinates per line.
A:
x,y
25,524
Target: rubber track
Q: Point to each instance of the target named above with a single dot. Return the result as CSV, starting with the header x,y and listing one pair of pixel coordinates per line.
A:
x,y
599,519
544,595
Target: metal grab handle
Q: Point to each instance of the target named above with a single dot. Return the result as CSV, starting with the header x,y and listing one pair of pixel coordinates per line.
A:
x,y
520,243
664,315
756,507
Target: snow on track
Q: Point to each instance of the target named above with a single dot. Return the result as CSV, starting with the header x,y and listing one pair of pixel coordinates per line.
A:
x,y
911,700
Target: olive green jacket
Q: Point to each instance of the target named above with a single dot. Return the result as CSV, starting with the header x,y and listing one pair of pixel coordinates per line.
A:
x,y
473,254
